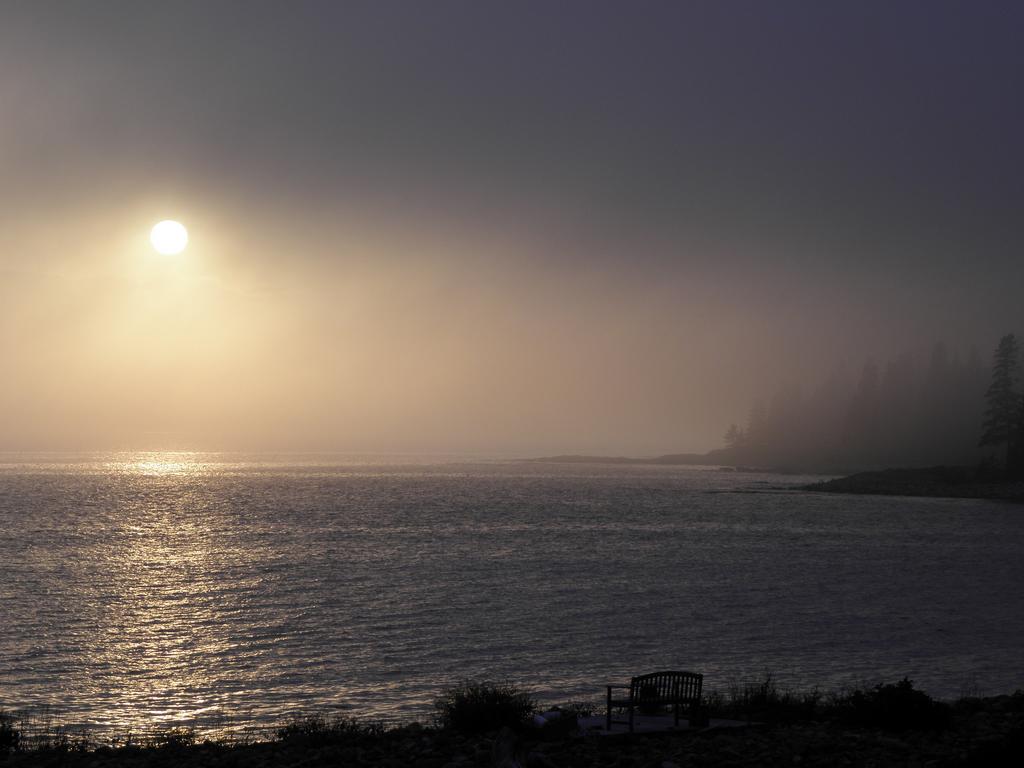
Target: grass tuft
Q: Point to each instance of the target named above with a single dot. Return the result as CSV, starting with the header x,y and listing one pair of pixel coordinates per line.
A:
x,y
319,730
892,706
766,702
173,738
479,707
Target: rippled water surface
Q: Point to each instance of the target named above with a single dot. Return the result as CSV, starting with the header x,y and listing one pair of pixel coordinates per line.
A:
x,y
168,588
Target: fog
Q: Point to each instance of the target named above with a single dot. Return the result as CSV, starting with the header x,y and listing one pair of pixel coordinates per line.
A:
x,y
585,230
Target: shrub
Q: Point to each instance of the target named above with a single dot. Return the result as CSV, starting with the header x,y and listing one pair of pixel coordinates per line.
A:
x,y
479,707
10,736
896,707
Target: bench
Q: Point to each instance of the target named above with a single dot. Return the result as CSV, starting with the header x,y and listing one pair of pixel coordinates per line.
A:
x,y
648,693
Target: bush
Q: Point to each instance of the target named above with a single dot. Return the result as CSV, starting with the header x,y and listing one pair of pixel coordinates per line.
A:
x,y
10,736
479,707
897,707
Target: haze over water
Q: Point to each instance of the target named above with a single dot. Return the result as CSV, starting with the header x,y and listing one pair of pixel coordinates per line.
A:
x,y
232,591
524,228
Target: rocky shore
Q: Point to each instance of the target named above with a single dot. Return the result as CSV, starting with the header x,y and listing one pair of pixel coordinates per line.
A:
x,y
977,732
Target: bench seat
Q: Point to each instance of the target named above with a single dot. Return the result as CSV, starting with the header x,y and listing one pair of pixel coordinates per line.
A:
x,y
653,691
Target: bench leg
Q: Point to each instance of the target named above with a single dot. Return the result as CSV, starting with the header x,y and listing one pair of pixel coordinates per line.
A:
x,y
630,716
608,717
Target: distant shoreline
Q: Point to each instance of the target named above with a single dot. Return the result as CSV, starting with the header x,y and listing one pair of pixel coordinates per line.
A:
x,y
711,459
687,459
932,482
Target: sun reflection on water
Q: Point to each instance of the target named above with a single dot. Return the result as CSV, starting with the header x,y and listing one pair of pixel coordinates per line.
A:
x,y
172,578
160,464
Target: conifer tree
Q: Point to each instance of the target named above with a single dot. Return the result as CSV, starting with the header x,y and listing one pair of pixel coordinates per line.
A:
x,y
1002,399
734,436
1015,446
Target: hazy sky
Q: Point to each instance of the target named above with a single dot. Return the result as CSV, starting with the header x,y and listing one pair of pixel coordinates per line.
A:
x,y
470,226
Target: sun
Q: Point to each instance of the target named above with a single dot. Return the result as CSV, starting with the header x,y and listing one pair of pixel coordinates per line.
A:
x,y
169,237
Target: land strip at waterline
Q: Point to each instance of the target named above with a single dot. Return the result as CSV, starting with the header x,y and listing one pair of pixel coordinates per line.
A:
x,y
939,482
936,482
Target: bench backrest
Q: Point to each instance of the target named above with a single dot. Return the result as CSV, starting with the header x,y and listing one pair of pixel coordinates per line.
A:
x,y
666,687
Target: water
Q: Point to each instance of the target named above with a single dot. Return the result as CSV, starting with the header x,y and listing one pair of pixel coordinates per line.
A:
x,y
142,590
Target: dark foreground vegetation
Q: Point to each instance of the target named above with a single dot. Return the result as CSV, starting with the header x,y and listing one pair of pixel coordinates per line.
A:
x,y
480,724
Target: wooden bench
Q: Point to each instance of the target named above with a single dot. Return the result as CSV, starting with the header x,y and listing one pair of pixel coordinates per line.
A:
x,y
656,690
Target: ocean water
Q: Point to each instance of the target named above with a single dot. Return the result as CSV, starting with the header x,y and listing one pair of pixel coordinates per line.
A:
x,y
142,590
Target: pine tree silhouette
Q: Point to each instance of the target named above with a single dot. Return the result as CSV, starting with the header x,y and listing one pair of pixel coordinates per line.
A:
x,y
1002,398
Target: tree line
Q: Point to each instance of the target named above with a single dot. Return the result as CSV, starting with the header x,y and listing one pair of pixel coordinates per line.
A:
x,y
951,410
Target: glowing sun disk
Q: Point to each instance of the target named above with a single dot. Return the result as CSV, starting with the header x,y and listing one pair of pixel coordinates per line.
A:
x,y
169,237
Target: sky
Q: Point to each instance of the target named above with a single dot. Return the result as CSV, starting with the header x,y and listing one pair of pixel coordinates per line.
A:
x,y
495,228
